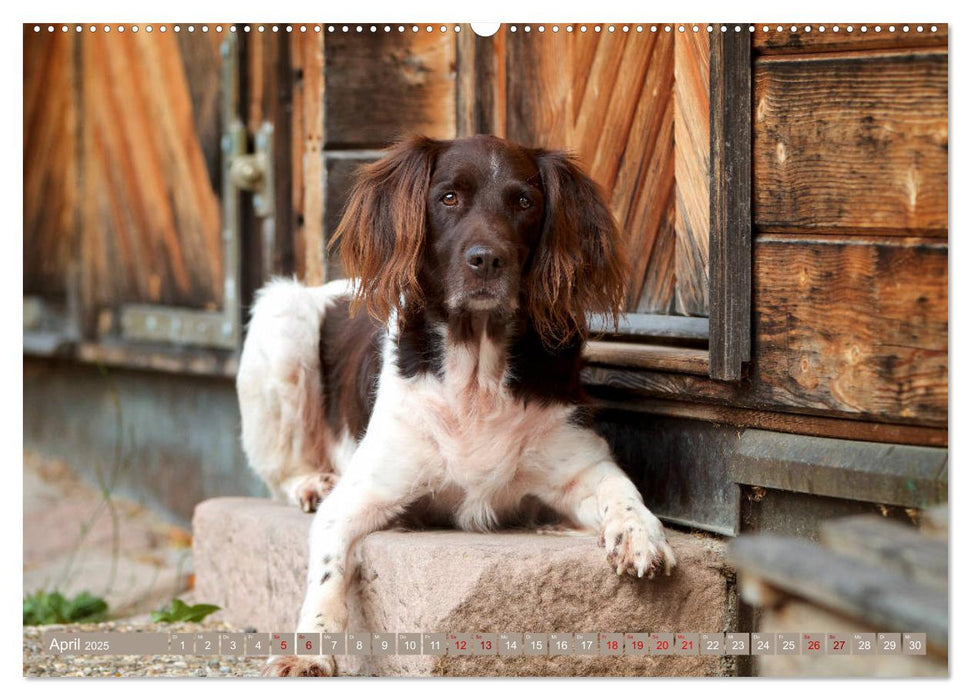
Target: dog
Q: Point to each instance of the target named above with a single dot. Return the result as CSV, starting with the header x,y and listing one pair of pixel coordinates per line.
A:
x,y
443,378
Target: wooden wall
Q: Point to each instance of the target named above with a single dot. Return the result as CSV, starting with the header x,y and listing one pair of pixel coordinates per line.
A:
x,y
149,129
849,205
634,108
379,88
850,312
50,163
122,169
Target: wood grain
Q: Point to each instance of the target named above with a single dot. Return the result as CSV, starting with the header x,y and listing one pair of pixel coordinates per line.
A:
x,y
615,100
382,86
730,205
309,177
149,211
847,585
800,424
50,157
801,41
857,141
660,357
691,172
853,328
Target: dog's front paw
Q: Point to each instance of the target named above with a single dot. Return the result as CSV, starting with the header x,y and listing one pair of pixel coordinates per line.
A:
x,y
294,666
635,542
314,489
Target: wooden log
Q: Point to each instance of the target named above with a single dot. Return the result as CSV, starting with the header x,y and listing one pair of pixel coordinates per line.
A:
x,y
854,141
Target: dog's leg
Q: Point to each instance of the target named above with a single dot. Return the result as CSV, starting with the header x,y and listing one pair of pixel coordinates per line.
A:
x,y
583,482
365,499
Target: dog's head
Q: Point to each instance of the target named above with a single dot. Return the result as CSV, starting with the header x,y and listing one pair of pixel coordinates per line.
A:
x,y
483,225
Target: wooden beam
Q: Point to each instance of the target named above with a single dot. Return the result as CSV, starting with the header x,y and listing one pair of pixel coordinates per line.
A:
x,y
660,357
883,542
879,596
730,244
818,426
686,330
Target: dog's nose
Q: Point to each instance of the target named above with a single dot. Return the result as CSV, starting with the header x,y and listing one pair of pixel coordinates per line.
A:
x,y
484,261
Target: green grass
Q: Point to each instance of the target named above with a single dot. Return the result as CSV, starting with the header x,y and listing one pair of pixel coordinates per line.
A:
x,y
43,608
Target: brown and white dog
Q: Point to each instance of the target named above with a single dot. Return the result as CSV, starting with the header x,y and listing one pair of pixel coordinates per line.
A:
x,y
457,395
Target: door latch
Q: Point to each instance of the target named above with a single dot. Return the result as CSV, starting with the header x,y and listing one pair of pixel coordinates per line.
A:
x,y
253,172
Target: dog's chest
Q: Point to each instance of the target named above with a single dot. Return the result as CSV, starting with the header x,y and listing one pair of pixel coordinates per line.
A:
x,y
483,435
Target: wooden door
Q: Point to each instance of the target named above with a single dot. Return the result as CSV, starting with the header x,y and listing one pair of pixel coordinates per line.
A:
x,y
125,252
634,107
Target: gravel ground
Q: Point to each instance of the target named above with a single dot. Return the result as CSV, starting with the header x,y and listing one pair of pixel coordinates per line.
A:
x,y
39,664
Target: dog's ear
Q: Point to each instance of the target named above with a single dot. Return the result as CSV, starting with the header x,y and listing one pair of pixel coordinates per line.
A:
x,y
580,264
382,232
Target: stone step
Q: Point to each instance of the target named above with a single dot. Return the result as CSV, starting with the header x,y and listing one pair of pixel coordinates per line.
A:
x,y
251,558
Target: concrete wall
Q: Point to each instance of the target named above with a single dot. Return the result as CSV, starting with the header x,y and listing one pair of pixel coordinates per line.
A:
x,y
166,440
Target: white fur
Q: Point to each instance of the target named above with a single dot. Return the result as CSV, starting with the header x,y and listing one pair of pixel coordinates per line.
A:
x,y
279,387
463,441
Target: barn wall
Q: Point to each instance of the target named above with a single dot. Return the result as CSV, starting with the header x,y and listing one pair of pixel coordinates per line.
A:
x,y
850,240
850,244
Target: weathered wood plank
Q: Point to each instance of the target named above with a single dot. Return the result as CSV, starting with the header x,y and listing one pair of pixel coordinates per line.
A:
x,y
309,177
852,142
879,596
50,195
610,99
686,329
679,466
341,175
660,357
382,86
201,63
888,544
799,41
853,326
278,107
843,327
466,93
480,100
730,255
901,475
161,358
149,212
692,171
800,424
645,196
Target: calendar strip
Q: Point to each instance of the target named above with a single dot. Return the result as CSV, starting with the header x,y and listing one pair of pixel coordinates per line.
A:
x,y
486,643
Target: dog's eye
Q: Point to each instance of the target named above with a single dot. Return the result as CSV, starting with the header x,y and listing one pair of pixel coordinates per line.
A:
x,y
450,199
525,202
